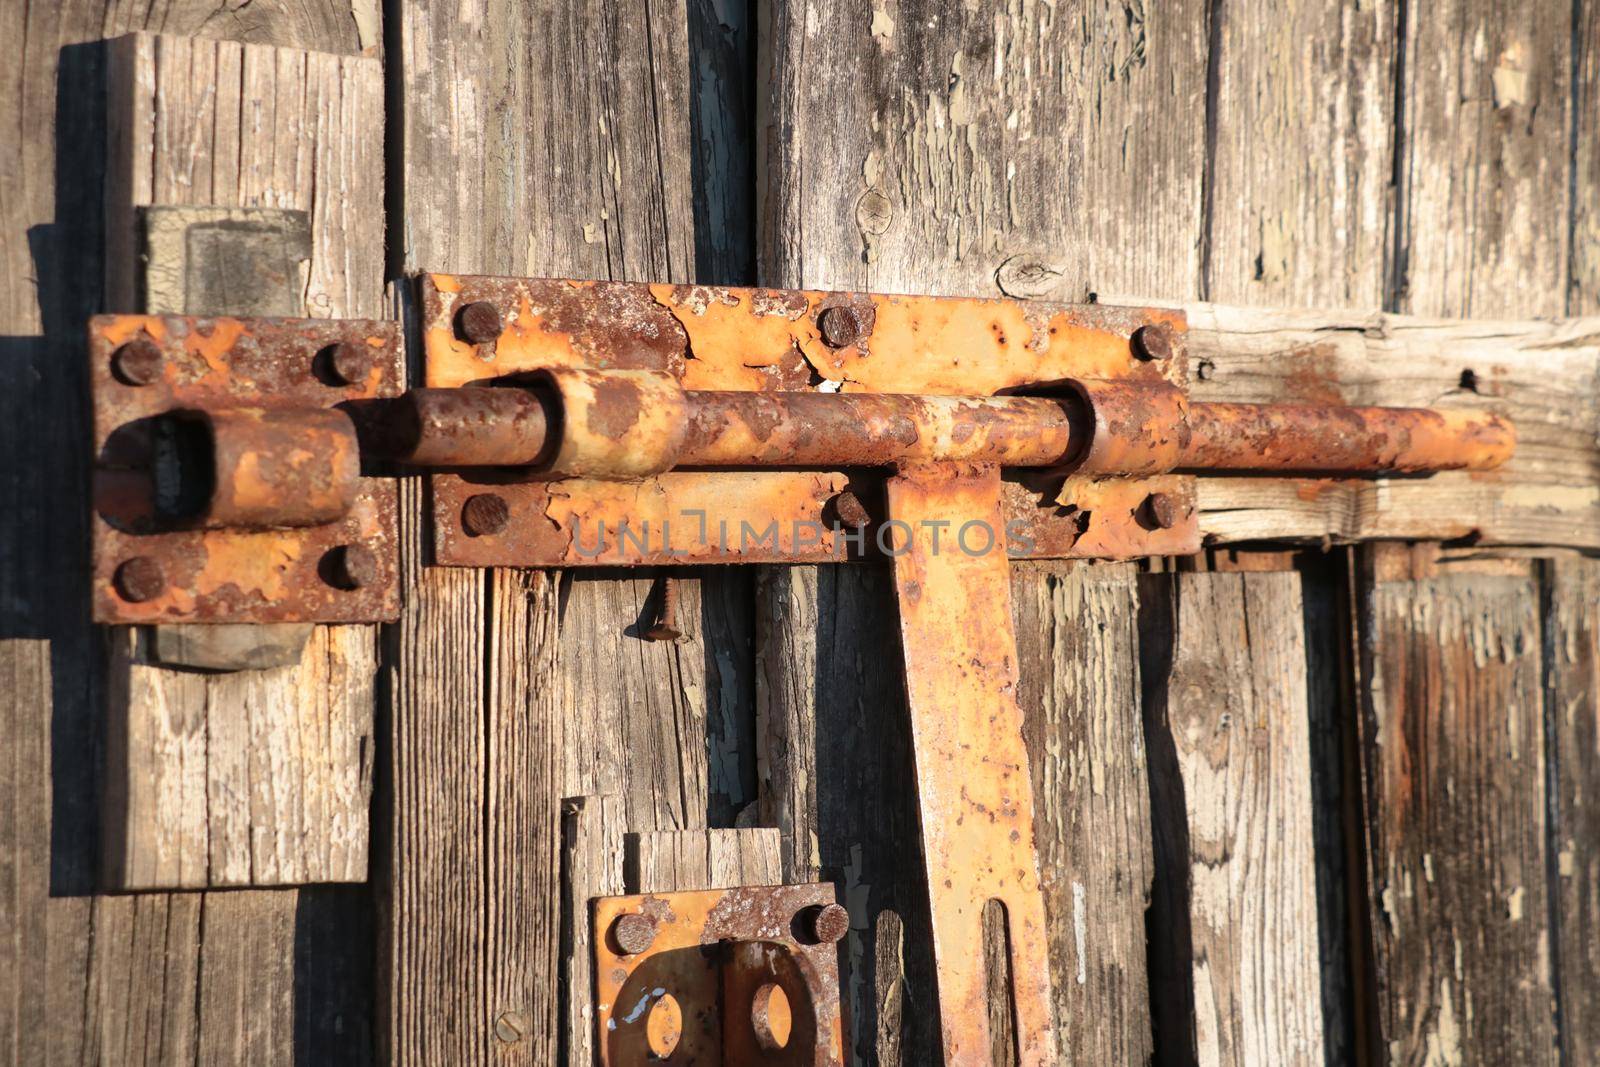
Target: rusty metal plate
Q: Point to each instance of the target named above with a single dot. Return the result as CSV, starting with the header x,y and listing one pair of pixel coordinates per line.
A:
x,y
973,788
779,340
346,570
701,990
761,516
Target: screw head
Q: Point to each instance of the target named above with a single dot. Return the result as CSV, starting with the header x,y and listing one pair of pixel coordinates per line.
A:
x,y
479,322
138,362
348,567
633,933
1152,342
485,513
510,1026
139,579
344,363
1159,511
825,924
843,325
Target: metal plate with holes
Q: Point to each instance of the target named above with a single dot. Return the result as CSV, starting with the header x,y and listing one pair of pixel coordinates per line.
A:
x,y
729,978
478,329
231,575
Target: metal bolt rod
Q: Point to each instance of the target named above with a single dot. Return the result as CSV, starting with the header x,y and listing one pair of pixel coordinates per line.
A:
x,y
515,427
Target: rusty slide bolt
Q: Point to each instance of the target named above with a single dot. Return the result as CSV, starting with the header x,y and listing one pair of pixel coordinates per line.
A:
x,y
479,323
139,579
824,923
634,932
348,567
137,363
1153,342
484,514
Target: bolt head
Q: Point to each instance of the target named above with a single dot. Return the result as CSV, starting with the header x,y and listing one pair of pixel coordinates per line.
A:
x,y
849,511
349,567
825,924
139,579
633,933
138,362
484,514
479,322
843,325
1153,342
1159,511
344,363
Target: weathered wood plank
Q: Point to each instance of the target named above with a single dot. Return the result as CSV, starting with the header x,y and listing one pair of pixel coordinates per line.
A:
x,y
1235,974
1026,149
667,861
1302,154
258,777
1583,289
592,866
24,846
1483,210
1078,642
1544,376
544,139
1572,679
1456,819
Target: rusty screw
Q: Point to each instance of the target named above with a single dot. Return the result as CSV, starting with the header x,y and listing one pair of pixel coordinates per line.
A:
x,y
139,579
349,567
825,924
1152,342
1159,511
843,325
633,933
850,511
510,1026
343,363
485,513
137,363
479,322
666,627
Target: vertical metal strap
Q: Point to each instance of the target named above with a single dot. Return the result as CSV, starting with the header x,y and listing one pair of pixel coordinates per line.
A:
x,y
953,583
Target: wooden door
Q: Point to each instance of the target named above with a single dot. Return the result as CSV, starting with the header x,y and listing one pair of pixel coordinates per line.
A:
x,y
1321,794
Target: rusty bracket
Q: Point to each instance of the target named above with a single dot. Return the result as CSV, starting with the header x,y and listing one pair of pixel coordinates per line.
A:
x,y
228,481
720,978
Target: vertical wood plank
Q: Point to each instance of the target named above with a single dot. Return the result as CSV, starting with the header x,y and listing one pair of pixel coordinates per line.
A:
x,y
1078,643
258,777
1303,153
1456,801
1235,975
668,861
1572,678
1483,207
592,866
544,139
1027,149
1583,290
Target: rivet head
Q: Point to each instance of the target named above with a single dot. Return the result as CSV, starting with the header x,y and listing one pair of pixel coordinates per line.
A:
x,y
843,325
139,579
824,924
633,933
1159,511
137,363
485,513
510,1026
849,511
479,322
348,567
1153,342
344,363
